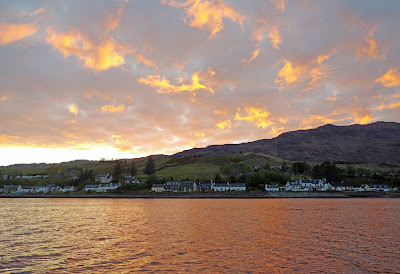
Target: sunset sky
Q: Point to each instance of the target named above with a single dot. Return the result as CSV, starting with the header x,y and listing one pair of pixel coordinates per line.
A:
x,y
124,79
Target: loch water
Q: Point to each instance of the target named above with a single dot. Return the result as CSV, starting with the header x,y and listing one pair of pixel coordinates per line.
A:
x,y
199,235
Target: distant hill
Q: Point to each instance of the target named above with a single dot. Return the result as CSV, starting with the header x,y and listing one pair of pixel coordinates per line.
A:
x,y
373,143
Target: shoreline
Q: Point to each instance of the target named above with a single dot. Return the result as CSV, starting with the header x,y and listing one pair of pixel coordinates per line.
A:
x,y
210,195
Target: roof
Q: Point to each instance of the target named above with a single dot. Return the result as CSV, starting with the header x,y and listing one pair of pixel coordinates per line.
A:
x,y
271,186
158,186
221,185
238,185
91,186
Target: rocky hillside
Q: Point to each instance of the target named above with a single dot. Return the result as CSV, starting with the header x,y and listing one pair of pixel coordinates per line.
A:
x,y
373,143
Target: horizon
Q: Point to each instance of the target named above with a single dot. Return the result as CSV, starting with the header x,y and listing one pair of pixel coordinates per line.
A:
x,y
130,85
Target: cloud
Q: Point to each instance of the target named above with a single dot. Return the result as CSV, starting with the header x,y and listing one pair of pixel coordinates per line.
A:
x,y
73,109
390,78
164,85
256,116
224,124
203,14
3,98
279,4
112,108
13,32
290,75
274,36
388,106
371,49
98,57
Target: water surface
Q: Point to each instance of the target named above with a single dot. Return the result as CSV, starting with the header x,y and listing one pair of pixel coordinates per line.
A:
x,y
203,235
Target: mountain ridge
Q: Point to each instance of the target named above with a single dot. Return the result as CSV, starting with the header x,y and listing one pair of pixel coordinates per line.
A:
x,y
373,143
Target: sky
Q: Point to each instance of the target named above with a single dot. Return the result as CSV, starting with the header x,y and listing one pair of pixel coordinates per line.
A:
x,y
125,79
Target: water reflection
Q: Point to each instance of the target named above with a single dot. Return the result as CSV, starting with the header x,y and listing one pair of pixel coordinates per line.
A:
x,y
276,235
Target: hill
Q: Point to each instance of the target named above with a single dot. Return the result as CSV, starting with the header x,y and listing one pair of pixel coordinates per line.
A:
x,y
373,143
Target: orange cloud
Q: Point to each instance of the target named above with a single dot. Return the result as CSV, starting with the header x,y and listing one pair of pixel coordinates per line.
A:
x,y
275,36
203,14
390,78
141,59
334,98
101,57
112,21
363,116
13,32
388,106
112,108
279,4
211,72
254,54
225,124
164,86
3,98
257,116
73,109
371,48
277,130
312,74
200,135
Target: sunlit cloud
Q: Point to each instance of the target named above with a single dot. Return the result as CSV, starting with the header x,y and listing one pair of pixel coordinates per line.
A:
x,y
279,4
227,124
363,116
291,75
390,78
256,116
274,36
371,48
3,98
13,32
164,85
203,14
112,108
98,57
141,59
200,135
334,98
73,109
388,106
211,72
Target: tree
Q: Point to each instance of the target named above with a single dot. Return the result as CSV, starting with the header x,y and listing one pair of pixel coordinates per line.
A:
x,y
300,167
117,170
217,179
150,167
133,169
152,179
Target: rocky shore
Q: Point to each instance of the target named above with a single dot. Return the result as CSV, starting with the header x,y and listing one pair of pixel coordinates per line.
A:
x,y
210,195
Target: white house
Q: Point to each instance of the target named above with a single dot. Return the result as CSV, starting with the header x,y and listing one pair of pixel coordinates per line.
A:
x,y
308,185
101,187
237,187
295,186
271,187
342,186
377,188
158,188
69,189
104,178
28,189
12,189
220,187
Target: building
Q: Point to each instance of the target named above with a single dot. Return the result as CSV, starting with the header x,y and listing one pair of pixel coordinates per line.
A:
x,y
12,189
220,187
101,187
104,178
5,177
69,189
308,185
28,189
131,180
377,188
172,186
158,188
342,186
237,187
204,187
271,187
188,186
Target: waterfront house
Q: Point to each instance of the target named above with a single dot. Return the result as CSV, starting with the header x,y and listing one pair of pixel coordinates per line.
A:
x,y
271,187
101,187
308,185
295,186
28,189
237,187
172,186
158,188
204,187
131,180
69,189
371,187
187,186
342,186
220,187
12,189
5,177
104,178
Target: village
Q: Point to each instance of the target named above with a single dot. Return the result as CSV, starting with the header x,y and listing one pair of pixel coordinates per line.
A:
x,y
104,183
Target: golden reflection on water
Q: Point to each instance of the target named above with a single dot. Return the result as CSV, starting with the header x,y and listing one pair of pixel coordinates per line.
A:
x,y
238,235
